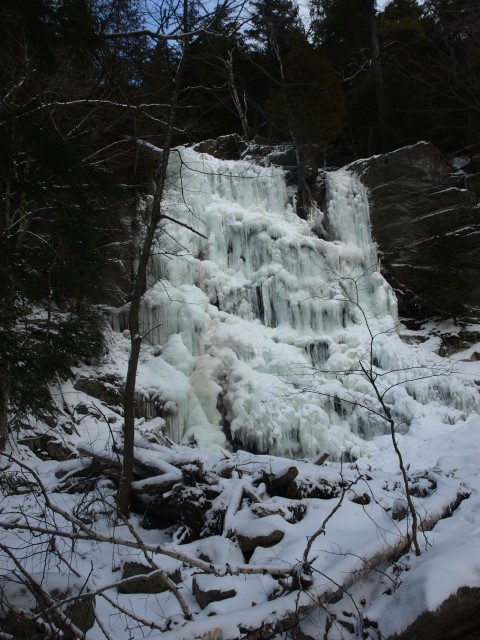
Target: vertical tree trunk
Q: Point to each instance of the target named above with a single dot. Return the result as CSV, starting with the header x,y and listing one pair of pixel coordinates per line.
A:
x,y
4,399
242,113
139,286
391,423
377,65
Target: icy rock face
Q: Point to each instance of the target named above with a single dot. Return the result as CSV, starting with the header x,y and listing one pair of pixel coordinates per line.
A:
x,y
426,221
258,324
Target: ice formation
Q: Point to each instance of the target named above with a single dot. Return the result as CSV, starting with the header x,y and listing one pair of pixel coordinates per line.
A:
x,y
257,332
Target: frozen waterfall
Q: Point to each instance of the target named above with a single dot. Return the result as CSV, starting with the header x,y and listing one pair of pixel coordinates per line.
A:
x,y
255,335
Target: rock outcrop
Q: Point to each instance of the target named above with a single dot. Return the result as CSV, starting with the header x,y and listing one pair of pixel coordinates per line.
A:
x,y
426,222
455,619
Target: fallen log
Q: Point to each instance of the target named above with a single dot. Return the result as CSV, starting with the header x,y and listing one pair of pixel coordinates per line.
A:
x,y
284,613
156,485
142,469
101,456
278,484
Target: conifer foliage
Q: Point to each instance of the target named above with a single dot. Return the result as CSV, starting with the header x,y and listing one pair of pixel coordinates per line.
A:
x,y
56,196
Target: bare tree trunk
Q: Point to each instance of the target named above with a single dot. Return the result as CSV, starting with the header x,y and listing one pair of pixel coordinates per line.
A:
x,y
242,112
4,399
403,471
140,283
377,65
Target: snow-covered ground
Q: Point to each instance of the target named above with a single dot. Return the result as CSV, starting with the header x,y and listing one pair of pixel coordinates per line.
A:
x,y
361,543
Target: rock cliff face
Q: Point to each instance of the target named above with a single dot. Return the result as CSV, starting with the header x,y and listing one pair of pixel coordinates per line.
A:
x,y
426,222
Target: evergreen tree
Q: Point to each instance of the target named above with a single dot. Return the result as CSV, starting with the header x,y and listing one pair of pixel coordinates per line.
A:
x,y
412,113
272,21
214,81
56,199
308,109
122,58
451,69
345,32
341,28
309,106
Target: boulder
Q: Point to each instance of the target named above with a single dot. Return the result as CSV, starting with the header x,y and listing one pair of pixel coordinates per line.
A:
x,y
208,589
233,147
455,619
426,222
249,543
228,147
146,583
399,509
453,342
279,484
49,447
107,388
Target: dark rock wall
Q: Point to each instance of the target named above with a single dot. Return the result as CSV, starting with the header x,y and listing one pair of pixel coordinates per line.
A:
x,y
455,619
426,222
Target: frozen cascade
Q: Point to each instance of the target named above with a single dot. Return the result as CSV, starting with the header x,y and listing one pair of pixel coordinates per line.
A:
x,y
254,335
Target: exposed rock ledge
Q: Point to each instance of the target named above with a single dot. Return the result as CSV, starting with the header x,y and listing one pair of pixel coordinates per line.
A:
x,y
426,222
455,619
